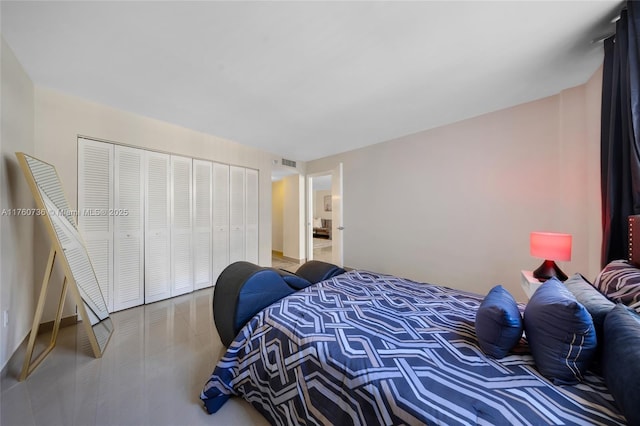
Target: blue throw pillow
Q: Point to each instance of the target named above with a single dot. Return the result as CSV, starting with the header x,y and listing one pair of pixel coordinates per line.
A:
x,y
498,323
621,360
560,333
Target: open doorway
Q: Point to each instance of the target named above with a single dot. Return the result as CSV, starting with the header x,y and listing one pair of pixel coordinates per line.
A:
x,y
322,224
324,200
287,218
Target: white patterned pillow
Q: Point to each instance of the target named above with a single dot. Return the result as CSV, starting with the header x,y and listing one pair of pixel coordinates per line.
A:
x,y
620,282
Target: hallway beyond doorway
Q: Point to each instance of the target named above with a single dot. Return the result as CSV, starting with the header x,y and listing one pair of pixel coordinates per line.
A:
x,y
323,249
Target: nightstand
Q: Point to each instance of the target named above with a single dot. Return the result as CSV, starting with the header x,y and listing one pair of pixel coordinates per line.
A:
x,y
529,283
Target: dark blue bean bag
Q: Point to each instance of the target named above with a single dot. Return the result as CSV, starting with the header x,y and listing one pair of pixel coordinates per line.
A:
x,y
243,289
315,271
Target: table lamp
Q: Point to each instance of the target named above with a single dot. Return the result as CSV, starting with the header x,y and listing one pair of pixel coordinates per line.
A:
x,y
550,246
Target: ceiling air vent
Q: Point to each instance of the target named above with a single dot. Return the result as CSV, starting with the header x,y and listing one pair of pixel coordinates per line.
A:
x,y
289,163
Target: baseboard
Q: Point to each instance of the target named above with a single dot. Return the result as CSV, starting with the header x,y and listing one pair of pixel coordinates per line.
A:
x,y
46,327
17,358
287,258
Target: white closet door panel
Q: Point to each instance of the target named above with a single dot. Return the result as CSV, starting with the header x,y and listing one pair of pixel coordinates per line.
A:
x,y
182,264
95,195
252,216
181,225
95,186
181,182
220,251
236,245
129,267
220,219
157,191
236,214
157,282
202,180
202,218
129,201
203,260
101,256
128,216
236,197
157,227
220,195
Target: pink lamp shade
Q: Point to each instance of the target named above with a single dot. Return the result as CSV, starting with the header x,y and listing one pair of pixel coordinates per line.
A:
x,y
550,246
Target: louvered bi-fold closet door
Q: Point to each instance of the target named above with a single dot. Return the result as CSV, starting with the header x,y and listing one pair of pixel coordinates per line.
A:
x,y
220,219
128,217
236,214
251,215
95,194
202,192
157,253
181,226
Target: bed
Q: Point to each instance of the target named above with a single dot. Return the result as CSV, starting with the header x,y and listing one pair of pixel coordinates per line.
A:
x,y
368,348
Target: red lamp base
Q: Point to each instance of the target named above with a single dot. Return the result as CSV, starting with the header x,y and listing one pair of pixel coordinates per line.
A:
x,y
547,270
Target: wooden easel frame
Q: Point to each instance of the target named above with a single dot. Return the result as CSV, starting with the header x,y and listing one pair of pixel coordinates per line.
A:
x,y
69,284
28,366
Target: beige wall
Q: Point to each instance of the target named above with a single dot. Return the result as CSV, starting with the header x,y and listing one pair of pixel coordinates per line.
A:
x,y
452,205
593,208
455,205
46,124
17,293
60,118
277,215
293,217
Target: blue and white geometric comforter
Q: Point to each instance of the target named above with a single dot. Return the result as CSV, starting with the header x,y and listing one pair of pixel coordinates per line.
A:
x,y
367,349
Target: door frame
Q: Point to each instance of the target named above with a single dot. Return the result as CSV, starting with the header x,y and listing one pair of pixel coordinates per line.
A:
x,y
309,213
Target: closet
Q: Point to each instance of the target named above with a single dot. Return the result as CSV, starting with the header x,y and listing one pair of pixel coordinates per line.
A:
x,y
158,225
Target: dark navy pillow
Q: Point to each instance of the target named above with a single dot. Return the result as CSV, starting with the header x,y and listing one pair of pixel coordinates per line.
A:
x,y
597,305
594,301
498,323
560,333
621,360
294,281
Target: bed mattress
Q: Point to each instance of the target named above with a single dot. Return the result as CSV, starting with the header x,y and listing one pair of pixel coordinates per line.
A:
x,y
367,348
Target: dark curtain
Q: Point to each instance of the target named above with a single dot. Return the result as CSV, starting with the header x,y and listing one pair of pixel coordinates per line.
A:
x,y
620,134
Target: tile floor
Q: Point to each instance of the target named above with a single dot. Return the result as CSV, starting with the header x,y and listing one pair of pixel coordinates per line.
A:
x,y
152,371
323,253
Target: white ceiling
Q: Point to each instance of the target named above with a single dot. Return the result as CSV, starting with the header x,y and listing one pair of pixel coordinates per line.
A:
x,y
308,79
